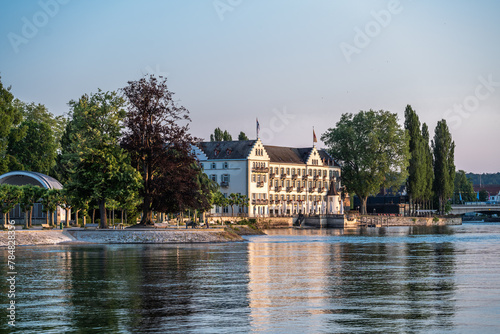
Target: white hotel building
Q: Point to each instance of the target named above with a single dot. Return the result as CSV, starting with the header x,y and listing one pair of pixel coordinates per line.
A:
x,y
277,180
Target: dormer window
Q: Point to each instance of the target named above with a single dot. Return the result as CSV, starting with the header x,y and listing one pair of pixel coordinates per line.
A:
x,y
225,166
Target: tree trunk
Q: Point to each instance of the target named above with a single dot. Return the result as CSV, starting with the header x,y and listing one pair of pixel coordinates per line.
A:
x,y
26,219
93,216
31,217
121,217
363,204
76,217
67,216
5,218
102,211
125,217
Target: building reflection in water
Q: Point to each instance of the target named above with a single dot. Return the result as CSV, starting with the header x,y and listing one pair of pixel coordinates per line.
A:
x,y
327,281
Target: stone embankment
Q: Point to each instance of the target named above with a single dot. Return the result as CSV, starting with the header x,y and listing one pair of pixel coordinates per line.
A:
x,y
53,237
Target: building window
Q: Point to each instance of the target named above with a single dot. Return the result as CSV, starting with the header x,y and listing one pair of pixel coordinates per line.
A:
x,y
264,178
293,171
213,177
214,166
282,171
225,165
288,171
276,170
253,177
276,183
201,166
224,178
288,183
298,171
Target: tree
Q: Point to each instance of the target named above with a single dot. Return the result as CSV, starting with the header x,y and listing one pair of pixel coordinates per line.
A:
x,y
429,169
38,113
483,195
242,136
232,200
444,164
416,182
50,200
10,116
101,169
220,135
36,151
10,195
463,189
243,201
373,149
30,195
160,148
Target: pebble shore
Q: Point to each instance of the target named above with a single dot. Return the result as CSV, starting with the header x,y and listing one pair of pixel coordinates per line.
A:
x,y
54,237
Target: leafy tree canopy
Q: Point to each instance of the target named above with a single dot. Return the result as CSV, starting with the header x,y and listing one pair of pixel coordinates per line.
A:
x,y
373,149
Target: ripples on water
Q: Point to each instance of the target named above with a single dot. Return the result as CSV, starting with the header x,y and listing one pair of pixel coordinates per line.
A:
x,y
376,280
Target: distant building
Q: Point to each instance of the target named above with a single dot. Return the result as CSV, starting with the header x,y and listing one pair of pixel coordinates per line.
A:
x,y
277,180
493,191
20,178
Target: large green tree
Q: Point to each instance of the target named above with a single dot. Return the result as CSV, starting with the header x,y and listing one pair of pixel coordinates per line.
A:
x,y
443,148
98,168
10,117
36,151
373,149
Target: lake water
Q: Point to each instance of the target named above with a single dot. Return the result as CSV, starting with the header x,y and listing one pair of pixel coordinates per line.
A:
x,y
376,280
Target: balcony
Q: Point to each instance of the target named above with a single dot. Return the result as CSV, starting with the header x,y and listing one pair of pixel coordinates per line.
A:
x,y
224,184
272,175
271,201
289,189
304,177
260,169
294,177
277,188
260,184
262,202
311,190
300,189
316,177
283,176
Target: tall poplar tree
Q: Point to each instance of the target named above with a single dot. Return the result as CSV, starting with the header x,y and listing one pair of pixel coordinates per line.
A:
x,y
443,148
416,168
428,166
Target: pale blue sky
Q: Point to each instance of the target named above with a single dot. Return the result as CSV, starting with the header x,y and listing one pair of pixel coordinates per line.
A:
x,y
230,61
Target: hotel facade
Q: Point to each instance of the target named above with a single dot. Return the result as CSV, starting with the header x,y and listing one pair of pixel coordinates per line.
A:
x,y
278,181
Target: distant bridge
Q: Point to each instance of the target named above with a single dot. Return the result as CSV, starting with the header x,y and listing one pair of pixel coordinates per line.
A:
x,y
479,208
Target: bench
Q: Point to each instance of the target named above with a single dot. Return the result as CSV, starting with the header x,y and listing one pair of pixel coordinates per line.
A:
x,y
92,225
46,226
161,225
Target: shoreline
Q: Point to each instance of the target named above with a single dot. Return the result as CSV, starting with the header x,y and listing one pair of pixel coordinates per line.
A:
x,y
128,236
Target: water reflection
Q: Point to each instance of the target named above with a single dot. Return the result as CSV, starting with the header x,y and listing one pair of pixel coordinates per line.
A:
x,y
324,286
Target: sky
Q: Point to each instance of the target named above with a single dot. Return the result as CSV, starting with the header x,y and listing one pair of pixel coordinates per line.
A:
x,y
292,64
